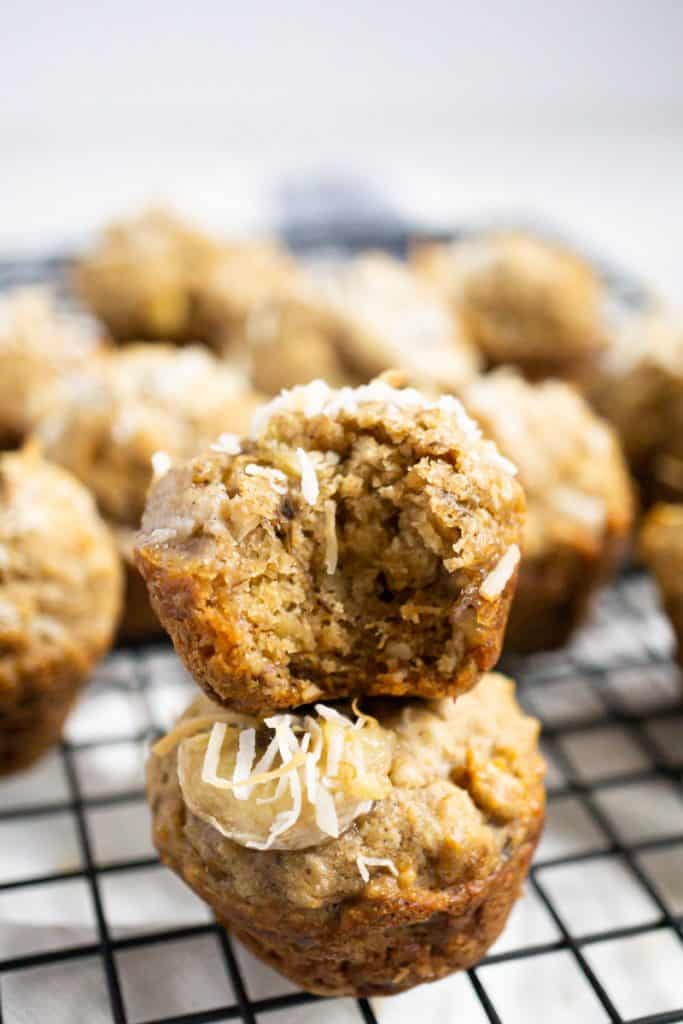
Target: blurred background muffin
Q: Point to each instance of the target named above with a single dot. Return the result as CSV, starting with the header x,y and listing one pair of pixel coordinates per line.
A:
x,y
661,546
60,597
579,500
638,386
39,344
525,302
136,403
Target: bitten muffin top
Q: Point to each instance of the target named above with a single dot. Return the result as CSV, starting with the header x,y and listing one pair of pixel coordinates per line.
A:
x,y
361,541
39,343
569,460
60,576
525,301
111,419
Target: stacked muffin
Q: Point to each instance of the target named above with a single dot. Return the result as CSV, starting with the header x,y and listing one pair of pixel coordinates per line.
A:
x,y
355,795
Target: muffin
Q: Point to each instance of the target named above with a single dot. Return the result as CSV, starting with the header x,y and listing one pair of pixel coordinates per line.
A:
x,y
157,278
661,546
361,541
579,500
524,301
39,343
139,402
350,321
358,853
639,388
60,595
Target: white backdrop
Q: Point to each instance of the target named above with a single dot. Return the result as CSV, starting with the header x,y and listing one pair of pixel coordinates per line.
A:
x,y
573,112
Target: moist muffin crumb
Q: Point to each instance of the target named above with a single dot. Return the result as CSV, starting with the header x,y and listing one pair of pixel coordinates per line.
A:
x,y
579,500
431,846
60,594
361,541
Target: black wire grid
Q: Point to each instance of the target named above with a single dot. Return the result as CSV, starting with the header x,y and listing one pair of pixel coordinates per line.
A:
x,y
598,935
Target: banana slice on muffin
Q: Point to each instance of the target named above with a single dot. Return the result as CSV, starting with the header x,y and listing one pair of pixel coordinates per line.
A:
x,y
282,783
361,541
437,810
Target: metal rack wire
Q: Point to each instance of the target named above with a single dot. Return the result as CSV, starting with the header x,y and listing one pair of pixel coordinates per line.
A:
x,y
598,935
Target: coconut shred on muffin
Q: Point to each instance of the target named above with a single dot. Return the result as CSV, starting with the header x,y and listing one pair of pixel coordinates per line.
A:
x,y
347,321
60,595
525,302
129,416
39,344
579,499
360,541
358,852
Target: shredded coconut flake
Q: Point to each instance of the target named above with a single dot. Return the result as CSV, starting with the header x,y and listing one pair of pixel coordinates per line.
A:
x,y
364,863
161,463
161,535
331,544
276,478
243,763
497,579
318,399
309,480
227,444
325,812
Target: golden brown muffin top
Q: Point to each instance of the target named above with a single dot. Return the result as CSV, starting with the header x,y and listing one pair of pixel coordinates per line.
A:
x,y
457,787
360,536
111,419
60,577
569,460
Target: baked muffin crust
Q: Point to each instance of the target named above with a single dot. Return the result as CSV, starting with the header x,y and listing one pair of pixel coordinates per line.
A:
x,y
525,302
60,594
579,499
363,541
414,888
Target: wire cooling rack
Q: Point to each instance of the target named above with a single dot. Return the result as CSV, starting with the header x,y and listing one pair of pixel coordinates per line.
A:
x,y
93,930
